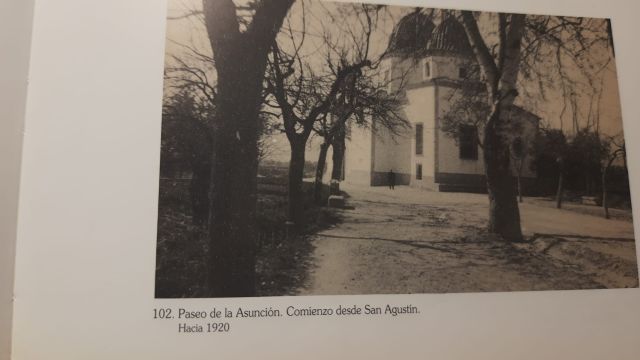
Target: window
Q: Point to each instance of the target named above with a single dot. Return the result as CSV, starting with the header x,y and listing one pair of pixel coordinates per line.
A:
x,y
419,138
426,69
462,73
418,171
468,142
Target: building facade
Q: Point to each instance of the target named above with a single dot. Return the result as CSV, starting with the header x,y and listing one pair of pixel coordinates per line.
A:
x,y
441,149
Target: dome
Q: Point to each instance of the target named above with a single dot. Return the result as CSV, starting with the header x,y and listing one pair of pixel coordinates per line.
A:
x,y
449,36
411,35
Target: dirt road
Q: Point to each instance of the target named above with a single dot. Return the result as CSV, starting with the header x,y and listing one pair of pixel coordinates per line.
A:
x,y
414,241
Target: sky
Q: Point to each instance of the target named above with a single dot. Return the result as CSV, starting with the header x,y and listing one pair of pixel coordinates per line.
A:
x,y
190,30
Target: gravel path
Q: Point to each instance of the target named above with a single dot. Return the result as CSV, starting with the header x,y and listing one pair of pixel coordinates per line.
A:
x,y
415,241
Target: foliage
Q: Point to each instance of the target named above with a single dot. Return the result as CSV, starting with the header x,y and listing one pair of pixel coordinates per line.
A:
x,y
585,154
185,134
550,145
584,157
182,250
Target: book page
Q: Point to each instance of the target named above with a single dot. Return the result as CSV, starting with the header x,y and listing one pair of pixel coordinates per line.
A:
x,y
411,242
15,40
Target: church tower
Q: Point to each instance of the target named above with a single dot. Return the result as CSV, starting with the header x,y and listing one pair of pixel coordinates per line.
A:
x,y
429,62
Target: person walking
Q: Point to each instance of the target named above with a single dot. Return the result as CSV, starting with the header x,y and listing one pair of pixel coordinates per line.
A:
x,y
391,179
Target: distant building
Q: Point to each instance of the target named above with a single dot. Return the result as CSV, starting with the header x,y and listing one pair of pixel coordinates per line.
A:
x,y
433,63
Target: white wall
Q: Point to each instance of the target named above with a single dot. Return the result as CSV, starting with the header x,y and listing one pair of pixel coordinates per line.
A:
x,y
421,109
358,156
448,66
391,151
16,17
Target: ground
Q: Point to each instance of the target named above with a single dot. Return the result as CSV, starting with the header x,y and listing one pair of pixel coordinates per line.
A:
x,y
281,259
414,241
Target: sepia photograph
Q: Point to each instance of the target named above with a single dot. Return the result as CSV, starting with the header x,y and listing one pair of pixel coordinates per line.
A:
x,y
312,147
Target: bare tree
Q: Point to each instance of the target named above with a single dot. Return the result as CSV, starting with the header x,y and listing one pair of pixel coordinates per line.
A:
x,y
320,97
363,102
500,76
191,94
192,74
303,97
521,42
240,39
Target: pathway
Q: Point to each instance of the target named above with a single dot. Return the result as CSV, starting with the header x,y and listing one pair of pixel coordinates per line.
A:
x,y
415,241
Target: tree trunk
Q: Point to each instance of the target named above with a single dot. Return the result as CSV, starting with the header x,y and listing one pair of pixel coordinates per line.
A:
x,y
322,160
587,185
605,205
504,215
605,200
560,190
233,193
520,168
296,174
501,80
240,62
338,146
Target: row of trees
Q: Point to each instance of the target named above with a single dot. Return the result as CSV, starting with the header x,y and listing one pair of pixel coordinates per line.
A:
x,y
582,162
525,60
325,97
527,49
263,72
212,119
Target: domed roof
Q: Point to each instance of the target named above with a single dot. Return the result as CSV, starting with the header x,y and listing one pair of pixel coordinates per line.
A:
x,y
411,34
449,36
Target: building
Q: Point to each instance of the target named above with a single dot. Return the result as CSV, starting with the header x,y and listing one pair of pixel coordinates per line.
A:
x,y
436,72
